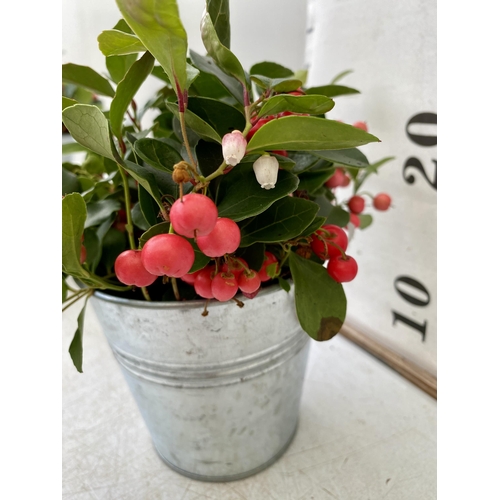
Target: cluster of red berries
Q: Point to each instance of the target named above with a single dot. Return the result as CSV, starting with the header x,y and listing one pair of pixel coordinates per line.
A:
x,y
194,216
329,243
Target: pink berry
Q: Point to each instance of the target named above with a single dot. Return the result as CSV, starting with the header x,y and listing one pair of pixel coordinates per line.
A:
x,y
354,220
235,265
189,278
195,215
382,201
356,204
203,282
269,259
224,286
224,238
130,270
168,254
331,235
342,270
337,179
249,282
361,125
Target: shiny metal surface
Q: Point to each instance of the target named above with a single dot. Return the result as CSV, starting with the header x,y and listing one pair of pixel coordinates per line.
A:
x,y
219,394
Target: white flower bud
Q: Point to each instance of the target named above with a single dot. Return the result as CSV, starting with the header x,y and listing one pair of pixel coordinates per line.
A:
x,y
266,170
234,146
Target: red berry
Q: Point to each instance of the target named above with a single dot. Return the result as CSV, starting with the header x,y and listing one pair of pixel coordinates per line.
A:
x,y
356,204
361,125
259,123
269,260
225,238
203,282
285,113
346,181
194,215
224,286
342,270
168,254
331,234
280,152
249,282
337,179
382,201
354,220
130,270
235,266
189,278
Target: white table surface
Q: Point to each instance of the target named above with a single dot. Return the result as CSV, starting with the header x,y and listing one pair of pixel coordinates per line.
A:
x,y
365,433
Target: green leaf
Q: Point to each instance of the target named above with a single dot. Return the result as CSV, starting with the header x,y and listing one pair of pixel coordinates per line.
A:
x,y
113,244
312,180
209,155
284,220
338,216
73,147
65,289
253,255
92,244
301,75
319,300
88,78
196,124
365,220
66,102
89,127
200,259
161,228
371,169
222,56
347,157
284,284
158,25
145,178
303,161
126,90
315,224
243,197
74,213
118,43
99,211
277,84
271,70
340,76
222,117
311,104
148,207
157,153
332,90
307,133
119,65
70,182
219,13
207,64
76,347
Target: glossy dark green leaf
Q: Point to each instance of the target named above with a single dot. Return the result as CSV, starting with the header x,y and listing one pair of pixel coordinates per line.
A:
x,y
158,25
138,218
118,66
76,347
243,196
196,124
113,244
126,90
338,216
209,155
207,64
99,211
284,220
222,117
319,300
200,259
271,70
312,180
74,213
315,224
219,13
222,56
332,90
347,157
365,220
70,182
117,43
310,104
94,164
157,153
277,84
88,78
303,161
148,207
160,228
371,169
307,133
284,284
145,178
89,127
253,255
207,85
92,245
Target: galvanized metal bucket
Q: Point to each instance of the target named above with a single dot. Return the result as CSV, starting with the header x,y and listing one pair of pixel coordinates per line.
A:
x,y
219,394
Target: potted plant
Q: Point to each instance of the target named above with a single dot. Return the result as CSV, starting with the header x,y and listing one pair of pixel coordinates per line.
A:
x,y
211,242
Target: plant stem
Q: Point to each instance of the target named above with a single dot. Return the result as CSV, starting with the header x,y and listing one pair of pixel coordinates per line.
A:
x,y
185,138
128,226
87,292
145,293
175,288
78,293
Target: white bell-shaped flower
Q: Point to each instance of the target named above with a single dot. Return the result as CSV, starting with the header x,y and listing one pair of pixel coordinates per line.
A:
x,y
234,146
266,170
